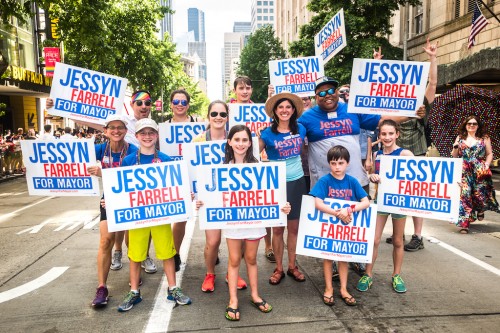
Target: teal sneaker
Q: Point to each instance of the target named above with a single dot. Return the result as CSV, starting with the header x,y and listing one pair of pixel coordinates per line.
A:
x,y
398,284
364,283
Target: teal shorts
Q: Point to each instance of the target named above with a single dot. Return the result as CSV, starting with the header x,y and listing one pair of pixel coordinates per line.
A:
x,y
394,216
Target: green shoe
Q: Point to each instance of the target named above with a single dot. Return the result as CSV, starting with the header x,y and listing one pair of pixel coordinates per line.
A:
x,y
364,283
398,284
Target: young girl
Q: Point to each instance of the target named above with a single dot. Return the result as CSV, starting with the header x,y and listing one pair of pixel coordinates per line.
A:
x,y
388,134
239,150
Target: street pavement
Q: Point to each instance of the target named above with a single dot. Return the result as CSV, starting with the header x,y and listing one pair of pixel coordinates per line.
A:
x,y
452,283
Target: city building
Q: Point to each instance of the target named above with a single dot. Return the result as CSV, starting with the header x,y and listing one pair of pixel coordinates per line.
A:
x,y
242,27
233,44
262,13
290,16
166,25
196,23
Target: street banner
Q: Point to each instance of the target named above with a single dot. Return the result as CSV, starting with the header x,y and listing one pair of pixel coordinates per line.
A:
x,y
146,195
85,95
242,195
296,76
387,87
173,135
51,56
324,236
59,167
252,115
420,186
331,39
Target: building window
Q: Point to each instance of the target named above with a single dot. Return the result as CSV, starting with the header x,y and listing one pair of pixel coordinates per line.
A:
x,y
259,10
266,18
259,18
265,3
265,10
419,20
457,8
271,3
259,25
470,6
271,10
259,3
271,18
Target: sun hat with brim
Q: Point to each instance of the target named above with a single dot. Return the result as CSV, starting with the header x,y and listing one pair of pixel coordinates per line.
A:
x,y
325,80
115,117
145,123
296,101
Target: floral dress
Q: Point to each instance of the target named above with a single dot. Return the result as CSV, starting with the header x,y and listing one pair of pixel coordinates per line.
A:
x,y
477,194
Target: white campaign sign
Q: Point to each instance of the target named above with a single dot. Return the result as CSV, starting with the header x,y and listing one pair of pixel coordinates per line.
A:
x,y
251,115
420,186
85,95
247,195
331,39
297,75
59,167
327,237
387,87
146,195
174,135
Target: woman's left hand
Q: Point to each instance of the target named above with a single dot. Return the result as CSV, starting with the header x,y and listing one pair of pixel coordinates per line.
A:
x,y
286,208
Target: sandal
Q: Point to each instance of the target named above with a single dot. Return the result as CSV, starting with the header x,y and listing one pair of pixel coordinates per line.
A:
x,y
350,301
263,304
233,311
328,300
296,274
270,256
276,277
480,216
464,231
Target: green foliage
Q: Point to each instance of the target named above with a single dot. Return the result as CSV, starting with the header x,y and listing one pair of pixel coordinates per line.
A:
x,y
367,24
261,47
18,9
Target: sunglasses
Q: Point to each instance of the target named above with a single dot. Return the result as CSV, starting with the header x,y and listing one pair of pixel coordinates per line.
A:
x,y
120,128
344,91
139,103
472,124
182,102
214,114
323,93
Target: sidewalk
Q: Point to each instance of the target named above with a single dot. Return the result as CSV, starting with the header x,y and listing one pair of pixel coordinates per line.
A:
x,y
6,178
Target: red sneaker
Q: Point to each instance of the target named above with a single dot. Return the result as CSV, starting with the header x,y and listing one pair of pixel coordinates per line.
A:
x,y
209,283
241,283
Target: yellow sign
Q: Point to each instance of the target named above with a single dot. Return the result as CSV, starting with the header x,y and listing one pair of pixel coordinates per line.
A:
x,y
25,75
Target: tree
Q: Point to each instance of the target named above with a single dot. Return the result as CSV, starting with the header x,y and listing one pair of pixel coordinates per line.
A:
x,y
18,9
261,47
367,25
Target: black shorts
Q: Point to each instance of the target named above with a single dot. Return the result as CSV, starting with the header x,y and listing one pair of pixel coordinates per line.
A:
x,y
295,189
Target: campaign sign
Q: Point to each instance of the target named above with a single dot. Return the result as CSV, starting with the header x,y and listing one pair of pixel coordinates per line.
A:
x,y
331,38
296,76
59,167
387,87
324,236
247,195
420,186
146,195
252,115
85,95
173,135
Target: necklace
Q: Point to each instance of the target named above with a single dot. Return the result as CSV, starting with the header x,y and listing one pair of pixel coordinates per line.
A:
x,y
107,149
155,158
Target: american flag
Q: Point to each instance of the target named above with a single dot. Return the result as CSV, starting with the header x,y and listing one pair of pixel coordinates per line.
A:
x,y
478,24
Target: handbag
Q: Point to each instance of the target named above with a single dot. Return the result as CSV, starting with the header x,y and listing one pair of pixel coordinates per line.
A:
x,y
432,151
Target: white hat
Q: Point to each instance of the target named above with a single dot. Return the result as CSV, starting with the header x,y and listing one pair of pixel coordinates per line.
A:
x,y
145,122
115,117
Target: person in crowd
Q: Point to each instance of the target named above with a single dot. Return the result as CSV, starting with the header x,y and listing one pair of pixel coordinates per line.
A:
x,y
110,155
477,193
283,141
146,131
338,185
239,150
388,134
31,134
17,164
67,134
47,132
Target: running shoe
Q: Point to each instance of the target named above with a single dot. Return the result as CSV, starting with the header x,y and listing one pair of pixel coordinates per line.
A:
x,y
398,284
209,283
149,265
130,300
241,283
358,267
416,243
101,297
364,283
177,296
116,261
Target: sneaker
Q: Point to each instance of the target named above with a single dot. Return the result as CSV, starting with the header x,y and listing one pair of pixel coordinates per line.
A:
x,y
364,283
116,261
358,267
270,256
177,259
177,296
130,300
149,265
398,284
209,283
415,244
241,283
101,297
335,271
388,240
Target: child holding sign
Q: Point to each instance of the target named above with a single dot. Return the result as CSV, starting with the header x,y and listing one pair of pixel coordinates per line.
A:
x,y
239,150
338,185
146,131
388,134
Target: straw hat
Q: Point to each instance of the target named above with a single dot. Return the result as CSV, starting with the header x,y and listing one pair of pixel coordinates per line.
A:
x,y
296,101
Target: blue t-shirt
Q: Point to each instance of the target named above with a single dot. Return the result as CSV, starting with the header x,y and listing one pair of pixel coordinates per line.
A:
x,y
380,152
145,159
346,189
287,147
102,154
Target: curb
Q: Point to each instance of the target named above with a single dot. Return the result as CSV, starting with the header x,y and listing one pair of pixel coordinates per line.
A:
x,y
7,178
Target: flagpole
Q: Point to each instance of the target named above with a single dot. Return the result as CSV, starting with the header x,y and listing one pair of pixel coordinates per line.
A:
x,y
488,9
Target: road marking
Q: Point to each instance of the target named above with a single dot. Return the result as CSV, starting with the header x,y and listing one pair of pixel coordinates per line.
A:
x,y
6,194
464,255
8,216
69,220
162,310
36,228
92,223
39,282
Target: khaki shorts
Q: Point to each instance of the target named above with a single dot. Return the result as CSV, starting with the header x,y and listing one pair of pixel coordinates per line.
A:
x,y
163,239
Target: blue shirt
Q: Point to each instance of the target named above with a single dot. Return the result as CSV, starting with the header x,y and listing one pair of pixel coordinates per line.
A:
x,y
346,189
145,159
102,154
395,152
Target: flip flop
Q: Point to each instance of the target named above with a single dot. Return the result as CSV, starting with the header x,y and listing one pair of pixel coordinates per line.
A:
x,y
328,300
263,304
234,311
350,301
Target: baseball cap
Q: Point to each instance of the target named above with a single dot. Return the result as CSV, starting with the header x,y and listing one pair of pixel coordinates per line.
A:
x,y
144,123
325,80
115,117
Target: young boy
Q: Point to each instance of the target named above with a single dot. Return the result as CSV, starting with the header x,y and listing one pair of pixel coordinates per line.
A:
x,y
338,185
146,131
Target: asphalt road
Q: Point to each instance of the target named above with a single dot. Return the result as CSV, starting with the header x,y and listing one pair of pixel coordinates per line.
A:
x,y
48,247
